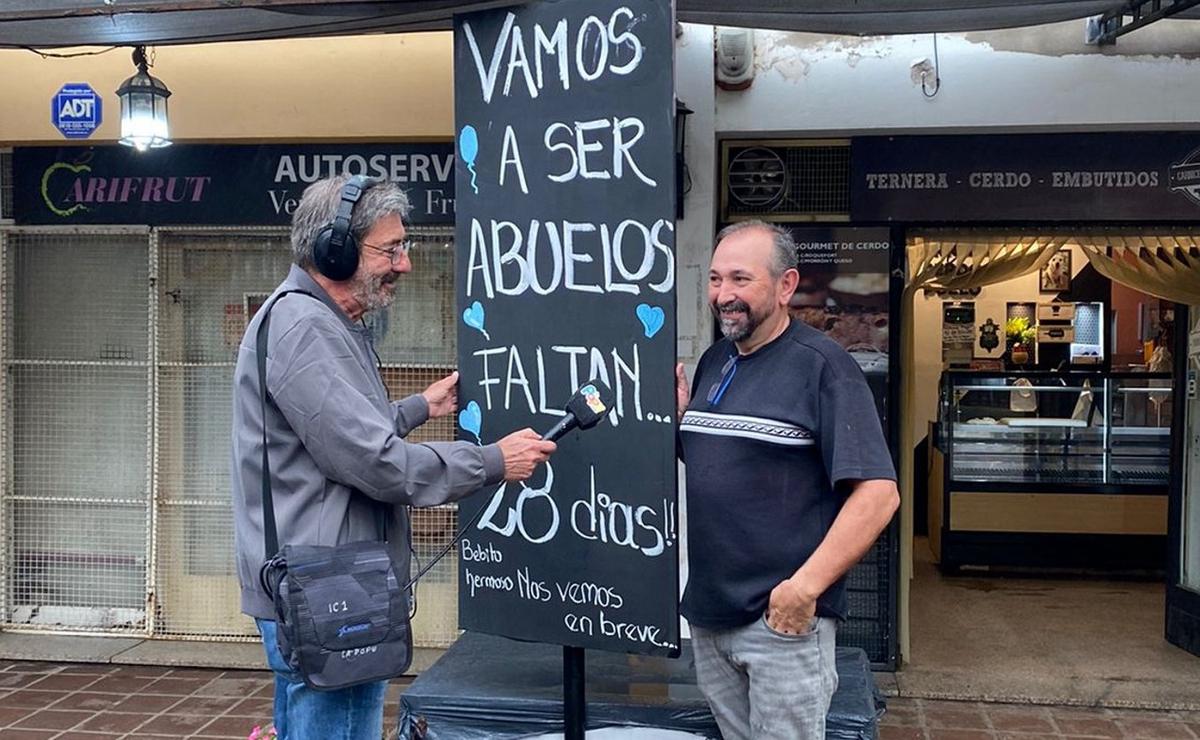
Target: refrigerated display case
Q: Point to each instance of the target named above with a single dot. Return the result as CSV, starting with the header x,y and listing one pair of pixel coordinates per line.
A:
x,y
1051,469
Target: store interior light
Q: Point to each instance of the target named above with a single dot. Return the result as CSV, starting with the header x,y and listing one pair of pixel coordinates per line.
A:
x,y
144,108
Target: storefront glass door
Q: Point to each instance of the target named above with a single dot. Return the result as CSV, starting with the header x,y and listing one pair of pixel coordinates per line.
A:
x,y
1191,483
1183,588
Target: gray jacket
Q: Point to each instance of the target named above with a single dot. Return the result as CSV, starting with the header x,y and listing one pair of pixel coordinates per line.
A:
x,y
337,454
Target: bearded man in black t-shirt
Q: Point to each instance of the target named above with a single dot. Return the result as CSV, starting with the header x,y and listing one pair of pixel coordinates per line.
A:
x,y
789,483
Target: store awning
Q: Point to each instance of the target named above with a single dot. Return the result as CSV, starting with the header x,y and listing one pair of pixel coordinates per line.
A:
x,y
56,23
1166,266
963,261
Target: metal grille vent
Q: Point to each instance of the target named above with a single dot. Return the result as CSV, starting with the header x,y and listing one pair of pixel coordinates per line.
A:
x,y
757,178
786,180
870,605
6,185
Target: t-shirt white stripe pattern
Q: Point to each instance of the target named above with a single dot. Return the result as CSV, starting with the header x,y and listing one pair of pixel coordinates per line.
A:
x,y
748,427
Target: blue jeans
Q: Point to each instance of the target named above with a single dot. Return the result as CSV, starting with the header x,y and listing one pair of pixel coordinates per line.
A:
x,y
301,713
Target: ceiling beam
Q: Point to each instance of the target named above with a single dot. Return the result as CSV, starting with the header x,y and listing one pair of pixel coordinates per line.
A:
x,y
47,9
1131,16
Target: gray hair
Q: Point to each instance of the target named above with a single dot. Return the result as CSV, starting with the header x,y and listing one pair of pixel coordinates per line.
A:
x,y
785,255
319,205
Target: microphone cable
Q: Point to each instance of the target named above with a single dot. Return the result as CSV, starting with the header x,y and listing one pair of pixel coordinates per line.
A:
x,y
411,585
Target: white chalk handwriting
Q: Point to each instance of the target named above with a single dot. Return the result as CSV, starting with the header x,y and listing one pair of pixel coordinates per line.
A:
x,y
511,259
600,47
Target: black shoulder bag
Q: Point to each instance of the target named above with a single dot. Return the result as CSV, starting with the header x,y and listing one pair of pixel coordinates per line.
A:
x,y
341,611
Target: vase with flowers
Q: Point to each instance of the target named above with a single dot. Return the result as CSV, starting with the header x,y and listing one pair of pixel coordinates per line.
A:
x,y
1021,334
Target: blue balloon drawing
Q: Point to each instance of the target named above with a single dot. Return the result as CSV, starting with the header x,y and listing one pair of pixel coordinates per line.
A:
x,y
473,317
471,419
652,318
468,149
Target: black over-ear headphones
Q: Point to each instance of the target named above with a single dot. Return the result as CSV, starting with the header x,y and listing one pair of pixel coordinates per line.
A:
x,y
335,251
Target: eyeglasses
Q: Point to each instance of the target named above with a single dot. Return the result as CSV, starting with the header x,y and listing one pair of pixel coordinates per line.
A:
x,y
718,388
392,251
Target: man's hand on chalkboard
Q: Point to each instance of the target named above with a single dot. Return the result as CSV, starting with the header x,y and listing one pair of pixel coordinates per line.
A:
x,y
523,451
682,394
442,396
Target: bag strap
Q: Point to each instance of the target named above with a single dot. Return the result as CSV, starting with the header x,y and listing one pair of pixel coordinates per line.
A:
x,y
270,533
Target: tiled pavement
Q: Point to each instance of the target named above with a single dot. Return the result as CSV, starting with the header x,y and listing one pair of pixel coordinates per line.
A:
x,y
925,719
40,701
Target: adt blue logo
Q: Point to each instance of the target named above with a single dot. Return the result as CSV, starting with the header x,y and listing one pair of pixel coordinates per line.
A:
x,y
75,110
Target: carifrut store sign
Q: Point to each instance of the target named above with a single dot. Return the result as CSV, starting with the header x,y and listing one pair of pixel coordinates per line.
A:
x,y
71,188
214,184
96,186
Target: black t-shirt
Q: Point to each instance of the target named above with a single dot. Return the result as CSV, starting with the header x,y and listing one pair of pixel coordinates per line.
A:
x,y
786,424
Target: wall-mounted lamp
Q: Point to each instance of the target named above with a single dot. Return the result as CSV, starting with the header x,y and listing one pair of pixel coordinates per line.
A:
x,y
144,108
683,179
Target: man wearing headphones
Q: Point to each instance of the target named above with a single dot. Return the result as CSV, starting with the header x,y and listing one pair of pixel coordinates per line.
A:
x,y
337,454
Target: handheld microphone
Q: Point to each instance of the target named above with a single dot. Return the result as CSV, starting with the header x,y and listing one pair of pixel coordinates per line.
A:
x,y
585,409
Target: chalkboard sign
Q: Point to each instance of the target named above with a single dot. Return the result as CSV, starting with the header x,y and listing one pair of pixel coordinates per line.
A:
x,y
566,272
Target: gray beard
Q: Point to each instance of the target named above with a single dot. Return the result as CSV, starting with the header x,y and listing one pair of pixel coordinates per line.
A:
x,y
370,294
735,330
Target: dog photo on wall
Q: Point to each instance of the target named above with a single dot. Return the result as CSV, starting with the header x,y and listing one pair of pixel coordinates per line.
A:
x,y
1056,275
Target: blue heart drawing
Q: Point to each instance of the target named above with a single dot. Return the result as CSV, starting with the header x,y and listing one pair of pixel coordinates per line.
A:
x,y
473,317
652,318
471,419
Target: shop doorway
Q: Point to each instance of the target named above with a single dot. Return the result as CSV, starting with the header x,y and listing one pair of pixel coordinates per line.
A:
x,y
1051,479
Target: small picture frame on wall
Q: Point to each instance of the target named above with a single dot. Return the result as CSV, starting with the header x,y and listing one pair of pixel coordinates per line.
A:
x,y
1056,274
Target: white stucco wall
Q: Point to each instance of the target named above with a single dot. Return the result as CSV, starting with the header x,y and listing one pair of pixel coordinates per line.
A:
x,y
693,237
1030,78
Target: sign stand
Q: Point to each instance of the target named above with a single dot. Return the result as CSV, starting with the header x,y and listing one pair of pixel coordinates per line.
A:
x,y
574,698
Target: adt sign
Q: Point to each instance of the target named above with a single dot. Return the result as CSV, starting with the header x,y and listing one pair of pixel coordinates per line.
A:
x,y
76,110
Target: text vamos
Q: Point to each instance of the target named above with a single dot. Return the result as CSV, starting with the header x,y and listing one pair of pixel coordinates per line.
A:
x,y
537,56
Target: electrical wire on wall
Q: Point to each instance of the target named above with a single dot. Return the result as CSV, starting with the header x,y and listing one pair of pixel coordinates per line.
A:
x,y
937,73
71,55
